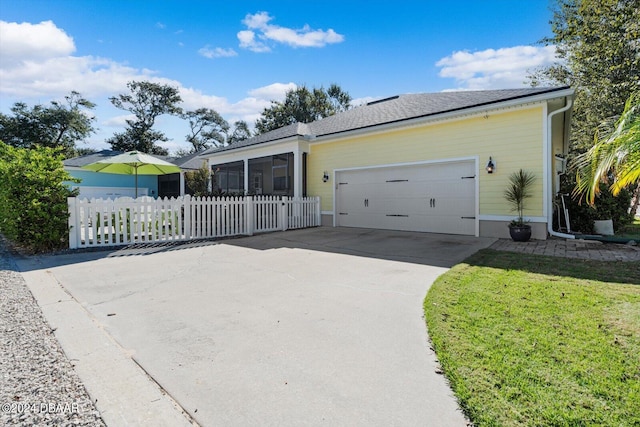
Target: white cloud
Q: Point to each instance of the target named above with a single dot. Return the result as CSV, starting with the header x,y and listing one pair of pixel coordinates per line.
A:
x,y
91,76
258,20
260,31
217,52
37,61
275,91
248,41
118,121
27,41
39,71
246,109
495,68
57,73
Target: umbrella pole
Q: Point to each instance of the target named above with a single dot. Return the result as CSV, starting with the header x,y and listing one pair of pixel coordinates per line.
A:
x,y
136,166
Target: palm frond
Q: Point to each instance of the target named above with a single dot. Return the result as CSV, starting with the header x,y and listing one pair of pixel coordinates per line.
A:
x,y
518,190
614,158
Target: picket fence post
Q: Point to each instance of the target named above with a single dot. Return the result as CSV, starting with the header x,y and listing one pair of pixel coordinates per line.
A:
x,y
73,223
249,219
186,211
284,213
318,211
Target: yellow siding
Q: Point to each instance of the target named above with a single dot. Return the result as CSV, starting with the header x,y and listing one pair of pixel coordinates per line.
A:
x,y
514,139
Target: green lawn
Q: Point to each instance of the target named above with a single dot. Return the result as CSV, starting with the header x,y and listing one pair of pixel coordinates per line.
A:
x,y
631,231
539,341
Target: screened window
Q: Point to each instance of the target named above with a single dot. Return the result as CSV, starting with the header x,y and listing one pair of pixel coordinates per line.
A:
x,y
271,175
228,177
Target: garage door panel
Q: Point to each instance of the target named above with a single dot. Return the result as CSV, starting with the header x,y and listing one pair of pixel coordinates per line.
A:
x,y
407,189
400,206
430,198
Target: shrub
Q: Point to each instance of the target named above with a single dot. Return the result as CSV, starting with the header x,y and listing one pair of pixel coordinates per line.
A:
x,y
198,181
517,192
607,206
33,197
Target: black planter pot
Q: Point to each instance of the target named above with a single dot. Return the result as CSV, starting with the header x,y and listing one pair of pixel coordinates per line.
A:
x,y
520,233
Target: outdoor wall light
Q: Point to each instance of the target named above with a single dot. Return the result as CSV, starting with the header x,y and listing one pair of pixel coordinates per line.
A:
x,y
325,177
491,166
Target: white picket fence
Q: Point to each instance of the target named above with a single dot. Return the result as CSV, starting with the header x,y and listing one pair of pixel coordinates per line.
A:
x,y
125,221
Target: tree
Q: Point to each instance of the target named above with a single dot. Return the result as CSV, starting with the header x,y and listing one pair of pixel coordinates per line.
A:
x,y
207,127
58,125
615,156
598,44
146,101
240,132
303,105
199,181
83,151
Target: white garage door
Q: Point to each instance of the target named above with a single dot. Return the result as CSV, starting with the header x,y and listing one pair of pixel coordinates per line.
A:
x,y
436,198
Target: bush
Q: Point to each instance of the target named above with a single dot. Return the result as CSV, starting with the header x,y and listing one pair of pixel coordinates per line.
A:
x,y
33,198
198,181
582,216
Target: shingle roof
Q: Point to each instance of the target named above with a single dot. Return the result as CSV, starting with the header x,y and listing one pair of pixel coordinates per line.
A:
x,y
391,110
294,129
191,161
90,158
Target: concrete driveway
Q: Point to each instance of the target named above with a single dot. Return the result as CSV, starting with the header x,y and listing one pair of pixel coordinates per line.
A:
x,y
321,326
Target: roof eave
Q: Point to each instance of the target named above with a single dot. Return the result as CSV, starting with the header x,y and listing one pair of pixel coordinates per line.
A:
x,y
449,114
291,138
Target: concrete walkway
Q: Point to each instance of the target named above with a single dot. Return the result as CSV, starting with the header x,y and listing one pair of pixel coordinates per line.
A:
x,y
310,327
580,249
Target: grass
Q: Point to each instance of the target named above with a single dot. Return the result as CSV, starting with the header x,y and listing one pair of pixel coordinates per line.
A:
x,y
539,341
631,231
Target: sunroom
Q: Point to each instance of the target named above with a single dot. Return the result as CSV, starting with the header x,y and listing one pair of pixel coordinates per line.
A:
x,y
275,169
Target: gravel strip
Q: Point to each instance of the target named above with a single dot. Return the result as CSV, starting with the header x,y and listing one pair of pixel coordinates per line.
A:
x,y
38,385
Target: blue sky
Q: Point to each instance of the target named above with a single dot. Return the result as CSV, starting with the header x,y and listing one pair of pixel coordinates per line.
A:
x,y
236,56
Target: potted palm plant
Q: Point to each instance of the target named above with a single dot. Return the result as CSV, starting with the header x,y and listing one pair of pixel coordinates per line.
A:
x,y
517,192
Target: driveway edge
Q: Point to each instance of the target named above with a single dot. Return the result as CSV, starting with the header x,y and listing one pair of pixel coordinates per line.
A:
x,y
121,390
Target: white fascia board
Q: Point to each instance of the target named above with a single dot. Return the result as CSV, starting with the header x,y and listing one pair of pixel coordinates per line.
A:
x,y
511,105
283,141
260,150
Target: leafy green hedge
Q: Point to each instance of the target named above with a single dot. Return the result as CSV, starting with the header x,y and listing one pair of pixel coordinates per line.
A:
x,y
33,198
606,206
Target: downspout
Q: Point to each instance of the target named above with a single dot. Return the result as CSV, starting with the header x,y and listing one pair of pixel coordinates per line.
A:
x,y
550,177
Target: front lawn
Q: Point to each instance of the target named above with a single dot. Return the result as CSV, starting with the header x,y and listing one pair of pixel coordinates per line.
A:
x,y
631,231
534,340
